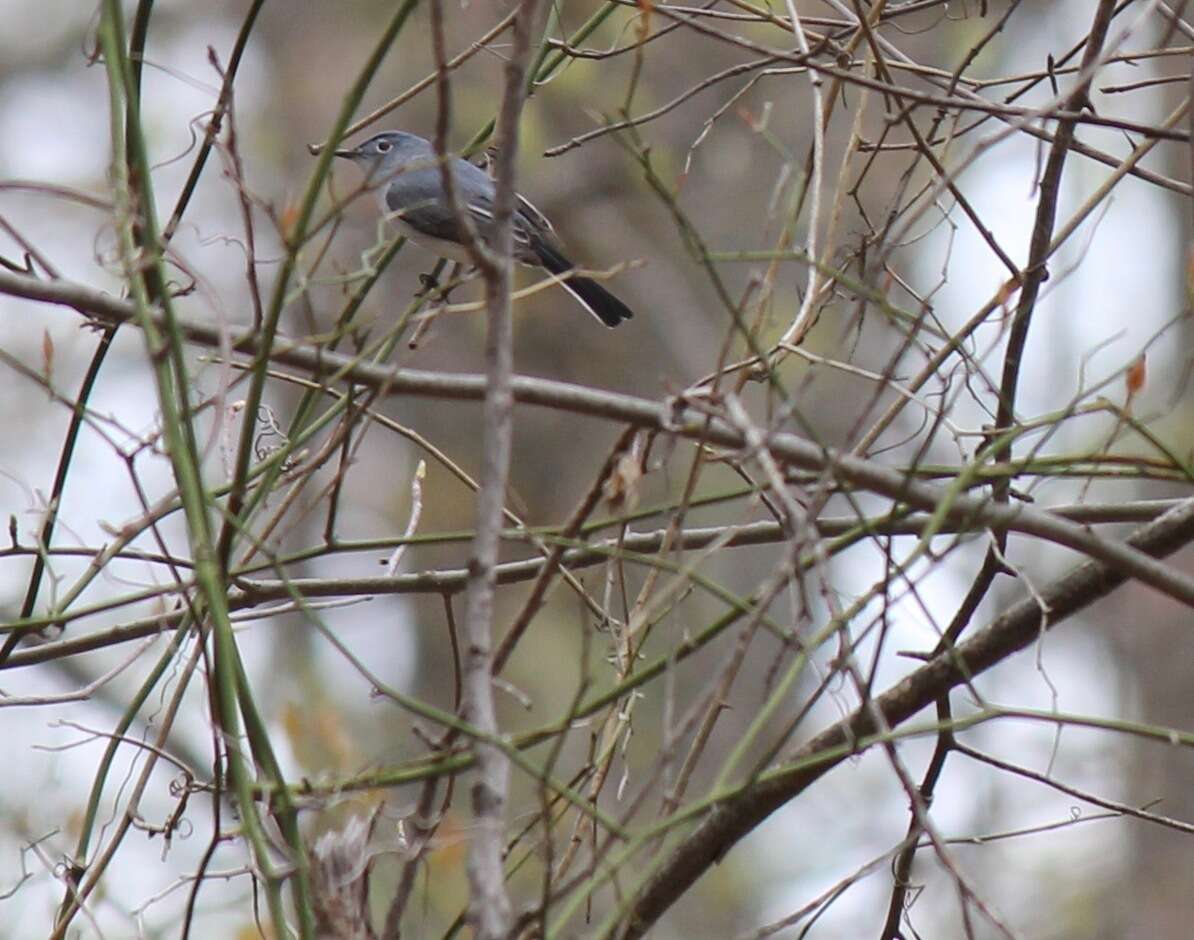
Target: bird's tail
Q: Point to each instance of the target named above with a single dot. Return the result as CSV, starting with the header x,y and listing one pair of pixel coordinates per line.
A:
x,y
591,295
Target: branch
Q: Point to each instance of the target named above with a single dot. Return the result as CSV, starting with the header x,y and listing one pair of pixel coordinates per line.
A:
x,y
489,905
734,818
673,416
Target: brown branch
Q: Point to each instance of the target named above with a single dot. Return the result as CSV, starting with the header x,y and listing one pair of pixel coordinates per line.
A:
x,y
450,581
734,818
672,416
1040,246
489,909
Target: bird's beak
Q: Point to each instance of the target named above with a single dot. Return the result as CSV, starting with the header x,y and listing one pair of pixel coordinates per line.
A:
x,y
346,154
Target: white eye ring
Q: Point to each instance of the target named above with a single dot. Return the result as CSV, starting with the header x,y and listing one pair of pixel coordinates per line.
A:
x,y
383,146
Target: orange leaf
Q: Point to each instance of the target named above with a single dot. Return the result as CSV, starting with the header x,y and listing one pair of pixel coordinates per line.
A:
x,y
622,487
1136,375
289,216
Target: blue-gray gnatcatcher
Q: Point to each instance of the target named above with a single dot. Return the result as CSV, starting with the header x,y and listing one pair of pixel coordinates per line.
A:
x,y
406,172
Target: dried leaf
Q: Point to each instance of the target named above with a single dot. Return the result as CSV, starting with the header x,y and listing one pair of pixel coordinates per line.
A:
x,y
1136,376
622,487
47,356
288,218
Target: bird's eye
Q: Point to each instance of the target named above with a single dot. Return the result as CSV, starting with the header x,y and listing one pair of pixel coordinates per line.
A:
x,y
383,146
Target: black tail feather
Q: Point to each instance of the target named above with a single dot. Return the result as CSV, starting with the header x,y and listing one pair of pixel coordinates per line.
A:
x,y
592,296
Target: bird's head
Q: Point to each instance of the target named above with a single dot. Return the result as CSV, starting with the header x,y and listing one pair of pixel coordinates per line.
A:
x,y
389,149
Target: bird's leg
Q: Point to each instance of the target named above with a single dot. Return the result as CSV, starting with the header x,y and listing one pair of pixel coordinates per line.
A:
x,y
430,285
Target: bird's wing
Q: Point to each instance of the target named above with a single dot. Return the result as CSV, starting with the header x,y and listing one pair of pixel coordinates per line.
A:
x,y
532,218
417,196
525,230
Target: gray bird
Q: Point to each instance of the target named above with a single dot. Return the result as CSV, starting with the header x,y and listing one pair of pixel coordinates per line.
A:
x,y
406,172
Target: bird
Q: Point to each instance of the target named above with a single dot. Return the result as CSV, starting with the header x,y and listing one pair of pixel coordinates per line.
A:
x,y
405,170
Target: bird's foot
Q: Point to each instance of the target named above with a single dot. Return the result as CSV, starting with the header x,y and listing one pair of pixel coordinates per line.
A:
x,y
428,284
